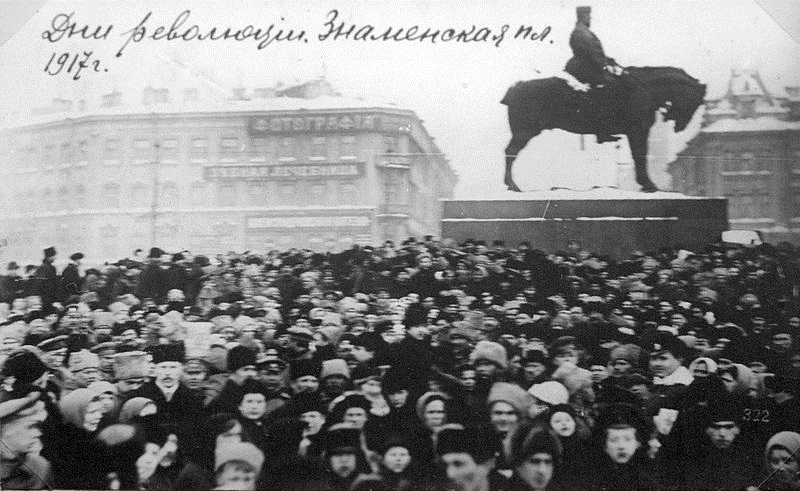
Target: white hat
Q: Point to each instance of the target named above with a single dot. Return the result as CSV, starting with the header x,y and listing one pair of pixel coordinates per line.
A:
x,y
238,451
551,392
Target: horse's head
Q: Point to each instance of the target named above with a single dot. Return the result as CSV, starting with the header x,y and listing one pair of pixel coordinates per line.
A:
x,y
684,102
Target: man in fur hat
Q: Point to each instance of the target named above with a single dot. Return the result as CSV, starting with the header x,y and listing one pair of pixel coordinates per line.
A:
x,y
468,457
176,404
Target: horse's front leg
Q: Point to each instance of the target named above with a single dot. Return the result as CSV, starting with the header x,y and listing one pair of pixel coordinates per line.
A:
x,y
638,142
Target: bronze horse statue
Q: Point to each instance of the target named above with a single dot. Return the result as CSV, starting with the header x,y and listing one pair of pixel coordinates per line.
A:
x,y
550,103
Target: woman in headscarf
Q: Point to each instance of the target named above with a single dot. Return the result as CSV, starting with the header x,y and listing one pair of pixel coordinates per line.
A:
x,y
782,463
75,454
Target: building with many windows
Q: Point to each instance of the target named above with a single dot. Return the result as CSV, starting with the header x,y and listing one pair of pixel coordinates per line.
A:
x,y
213,170
748,150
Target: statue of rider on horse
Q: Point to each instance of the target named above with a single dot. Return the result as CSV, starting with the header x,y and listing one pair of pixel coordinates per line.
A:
x,y
618,101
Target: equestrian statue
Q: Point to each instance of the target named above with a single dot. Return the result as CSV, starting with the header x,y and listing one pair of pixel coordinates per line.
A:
x,y
605,100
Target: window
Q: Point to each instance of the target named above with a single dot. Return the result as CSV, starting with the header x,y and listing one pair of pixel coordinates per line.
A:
x,y
169,195
229,145
318,148
66,153
80,196
226,194
63,198
197,194
287,189
169,144
260,148
347,149
286,150
258,193
111,195
49,156
318,188
111,150
83,151
390,144
139,195
200,146
141,145
49,199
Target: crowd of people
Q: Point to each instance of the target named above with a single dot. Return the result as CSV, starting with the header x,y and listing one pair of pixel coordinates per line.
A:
x,y
424,365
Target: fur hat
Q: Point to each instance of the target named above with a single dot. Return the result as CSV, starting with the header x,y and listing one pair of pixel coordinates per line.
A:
x,y
334,367
513,394
83,359
550,392
530,439
342,438
303,368
481,443
573,377
131,365
24,366
628,352
173,352
490,351
239,357
238,452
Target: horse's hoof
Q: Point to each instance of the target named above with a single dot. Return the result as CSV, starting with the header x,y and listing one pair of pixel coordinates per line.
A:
x,y
649,188
513,187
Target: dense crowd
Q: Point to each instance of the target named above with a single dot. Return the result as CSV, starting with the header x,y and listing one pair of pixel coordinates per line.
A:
x,y
423,365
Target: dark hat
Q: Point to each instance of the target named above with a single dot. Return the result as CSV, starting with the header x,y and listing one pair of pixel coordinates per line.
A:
x,y
252,386
25,366
305,402
368,341
174,352
661,341
53,343
395,440
155,253
722,411
351,400
394,382
77,256
303,368
622,415
240,356
530,439
50,252
340,438
534,356
481,443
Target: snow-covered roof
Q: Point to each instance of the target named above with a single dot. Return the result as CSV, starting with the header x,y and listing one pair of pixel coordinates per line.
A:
x,y
751,125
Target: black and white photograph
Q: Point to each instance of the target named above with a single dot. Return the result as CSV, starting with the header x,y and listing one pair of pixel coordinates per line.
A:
x,y
410,245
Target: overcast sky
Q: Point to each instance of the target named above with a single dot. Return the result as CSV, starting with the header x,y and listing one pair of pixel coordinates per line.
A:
x,y
454,87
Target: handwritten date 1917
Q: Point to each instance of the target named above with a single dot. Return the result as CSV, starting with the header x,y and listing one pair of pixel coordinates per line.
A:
x,y
72,64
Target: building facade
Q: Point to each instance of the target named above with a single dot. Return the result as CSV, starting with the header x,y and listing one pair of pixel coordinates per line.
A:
x,y
748,150
288,167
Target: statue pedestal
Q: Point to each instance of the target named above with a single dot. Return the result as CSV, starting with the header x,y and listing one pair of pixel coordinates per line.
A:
x,y
607,221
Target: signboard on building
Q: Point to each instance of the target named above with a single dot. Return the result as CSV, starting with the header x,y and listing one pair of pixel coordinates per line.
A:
x,y
307,222
294,171
311,123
